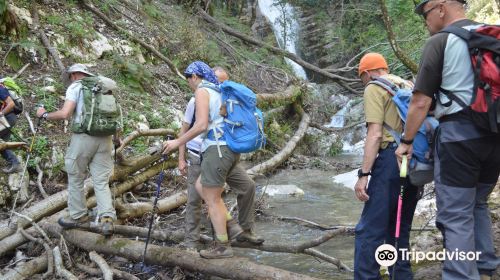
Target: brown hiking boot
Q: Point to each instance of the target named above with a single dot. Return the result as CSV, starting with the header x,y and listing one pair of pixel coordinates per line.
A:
x,y
107,226
233,229
218,250
249,236
68,222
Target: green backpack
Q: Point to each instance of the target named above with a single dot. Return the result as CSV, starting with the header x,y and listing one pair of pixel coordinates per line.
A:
x,y
15,94
101,114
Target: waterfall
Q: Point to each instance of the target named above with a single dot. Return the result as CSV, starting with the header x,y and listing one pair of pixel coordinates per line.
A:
x,y
284,23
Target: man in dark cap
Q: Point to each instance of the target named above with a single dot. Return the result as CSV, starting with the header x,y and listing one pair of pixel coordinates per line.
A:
x,y
467,157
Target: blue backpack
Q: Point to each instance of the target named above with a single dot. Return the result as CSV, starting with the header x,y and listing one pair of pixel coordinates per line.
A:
x,y
421,168
243,126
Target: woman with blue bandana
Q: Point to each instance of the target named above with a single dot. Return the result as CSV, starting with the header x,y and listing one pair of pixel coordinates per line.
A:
x,y
219,164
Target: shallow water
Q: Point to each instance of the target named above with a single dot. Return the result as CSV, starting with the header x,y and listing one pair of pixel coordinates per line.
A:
x,y
324,202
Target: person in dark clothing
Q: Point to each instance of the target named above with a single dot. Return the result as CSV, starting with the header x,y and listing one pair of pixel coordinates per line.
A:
x,y
7,111
467,157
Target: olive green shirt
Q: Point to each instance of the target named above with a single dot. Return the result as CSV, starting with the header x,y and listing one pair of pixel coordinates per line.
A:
x,y
380,109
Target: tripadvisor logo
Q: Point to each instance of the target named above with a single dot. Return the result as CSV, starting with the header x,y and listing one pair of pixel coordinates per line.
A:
x,y
386,255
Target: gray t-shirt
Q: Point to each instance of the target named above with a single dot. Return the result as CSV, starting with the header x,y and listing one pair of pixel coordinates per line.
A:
x,y
446,64
75,94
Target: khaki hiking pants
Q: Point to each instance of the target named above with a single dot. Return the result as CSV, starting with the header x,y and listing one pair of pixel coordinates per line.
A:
x,y
89,153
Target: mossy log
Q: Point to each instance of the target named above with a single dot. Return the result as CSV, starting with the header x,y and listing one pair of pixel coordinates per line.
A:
x,y
231,268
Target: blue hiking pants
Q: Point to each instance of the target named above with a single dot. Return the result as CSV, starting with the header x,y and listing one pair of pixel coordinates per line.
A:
x,y
378,219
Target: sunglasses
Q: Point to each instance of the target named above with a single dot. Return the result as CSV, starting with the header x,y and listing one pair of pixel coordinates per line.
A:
x,y
426,13
188,76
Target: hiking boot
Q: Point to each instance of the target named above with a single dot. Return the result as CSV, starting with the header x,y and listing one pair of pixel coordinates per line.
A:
x,y
68,222
107,227
233,229
218,250
250,237
12,168
485,277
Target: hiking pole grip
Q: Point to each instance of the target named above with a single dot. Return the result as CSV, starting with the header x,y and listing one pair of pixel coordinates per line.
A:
x,y
403,171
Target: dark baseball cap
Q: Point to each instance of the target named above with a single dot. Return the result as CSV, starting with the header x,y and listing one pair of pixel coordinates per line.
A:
x,y
419,9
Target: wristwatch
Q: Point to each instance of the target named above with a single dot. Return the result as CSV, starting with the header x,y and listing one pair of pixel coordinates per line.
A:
x,y
44,115
406,141
362,174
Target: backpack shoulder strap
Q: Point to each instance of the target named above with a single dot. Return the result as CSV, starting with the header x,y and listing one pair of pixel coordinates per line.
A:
x,y
385,84
457,31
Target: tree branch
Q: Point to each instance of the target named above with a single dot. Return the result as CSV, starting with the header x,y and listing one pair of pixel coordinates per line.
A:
x,y
407,61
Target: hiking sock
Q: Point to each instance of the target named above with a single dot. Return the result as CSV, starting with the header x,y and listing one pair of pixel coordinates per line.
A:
x,y
222,238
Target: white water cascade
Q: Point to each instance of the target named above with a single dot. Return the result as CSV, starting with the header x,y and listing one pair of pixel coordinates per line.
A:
x,y
284,23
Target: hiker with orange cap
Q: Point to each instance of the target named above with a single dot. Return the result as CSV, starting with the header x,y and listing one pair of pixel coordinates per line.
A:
x,y
377,223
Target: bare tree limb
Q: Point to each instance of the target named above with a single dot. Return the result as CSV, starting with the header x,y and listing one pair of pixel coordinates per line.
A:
x,y
392,39
339,79
60,270
96,272
140,133
36,26
285,152
48,250
39,181
103,265
21,71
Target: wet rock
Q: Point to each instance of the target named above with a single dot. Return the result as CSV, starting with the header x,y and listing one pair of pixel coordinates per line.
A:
x,y
277,190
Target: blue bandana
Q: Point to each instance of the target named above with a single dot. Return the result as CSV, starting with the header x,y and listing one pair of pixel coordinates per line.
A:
x,y
201,69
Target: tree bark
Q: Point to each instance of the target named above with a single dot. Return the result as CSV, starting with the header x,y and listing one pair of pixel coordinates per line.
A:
x,y
107,273
336,78
53,51
139,133
58,202
12,145
134,210
231,268
26,270
405,59
285,152
148,47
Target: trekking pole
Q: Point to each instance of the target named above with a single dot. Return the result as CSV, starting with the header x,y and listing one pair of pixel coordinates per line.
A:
x,y
39,122
158,186
402,178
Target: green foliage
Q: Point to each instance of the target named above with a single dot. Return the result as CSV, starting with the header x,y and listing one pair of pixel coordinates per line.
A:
x,y
77,27
336,147
152,11
40,149
134,75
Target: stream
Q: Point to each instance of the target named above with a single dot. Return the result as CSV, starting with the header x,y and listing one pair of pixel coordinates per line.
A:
x,y
323,202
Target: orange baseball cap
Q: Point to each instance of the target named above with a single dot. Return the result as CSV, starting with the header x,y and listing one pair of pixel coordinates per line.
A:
x,y
371,61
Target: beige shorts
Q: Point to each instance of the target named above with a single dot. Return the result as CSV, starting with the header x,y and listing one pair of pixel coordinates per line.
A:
x,y
214,169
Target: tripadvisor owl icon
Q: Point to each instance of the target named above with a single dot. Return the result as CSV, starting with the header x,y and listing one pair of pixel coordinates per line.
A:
x,y
386,255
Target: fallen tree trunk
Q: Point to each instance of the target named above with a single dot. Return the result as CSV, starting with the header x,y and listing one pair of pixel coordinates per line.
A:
x,y
121,172
231,268
11,242
133,210
289,96
285,152
26,270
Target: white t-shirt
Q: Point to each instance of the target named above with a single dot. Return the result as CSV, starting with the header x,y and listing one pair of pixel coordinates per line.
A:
x,y
75,94
195,143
